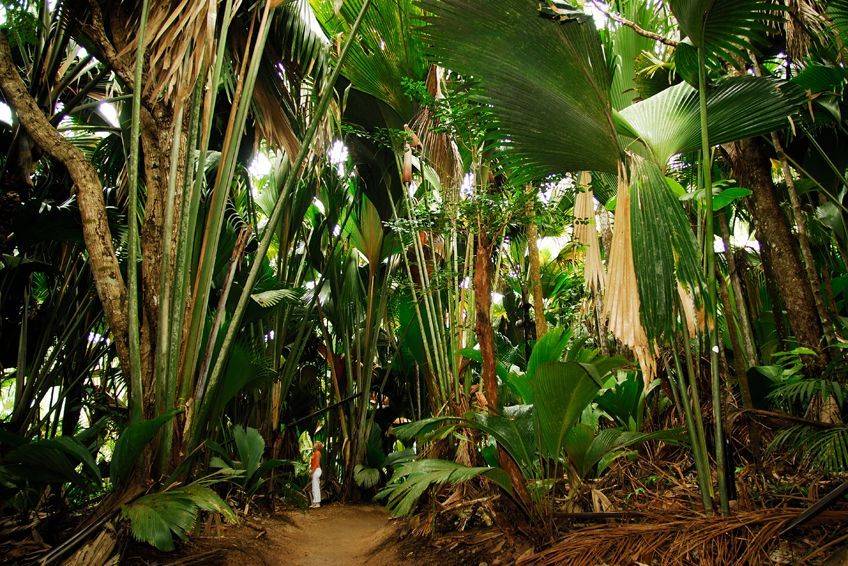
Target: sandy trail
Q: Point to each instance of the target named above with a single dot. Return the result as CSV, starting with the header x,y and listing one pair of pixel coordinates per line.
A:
x,y
333,535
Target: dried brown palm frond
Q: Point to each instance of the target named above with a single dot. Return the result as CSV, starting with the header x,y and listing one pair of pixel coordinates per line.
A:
x,y
271,120
743,538
622,297
439,149
586,233
182,38
690,315
584,210
803,22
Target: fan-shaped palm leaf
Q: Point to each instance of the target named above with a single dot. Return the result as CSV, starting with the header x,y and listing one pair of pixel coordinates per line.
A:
x,y
727,28
547,81
740,107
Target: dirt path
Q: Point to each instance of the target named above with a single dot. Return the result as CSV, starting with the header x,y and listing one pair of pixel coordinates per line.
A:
x,y
333,535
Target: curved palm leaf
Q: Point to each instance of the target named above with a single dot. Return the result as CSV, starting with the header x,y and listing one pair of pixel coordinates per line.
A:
x,y
664,247
387,51
727,28
547,81
561,391
737,108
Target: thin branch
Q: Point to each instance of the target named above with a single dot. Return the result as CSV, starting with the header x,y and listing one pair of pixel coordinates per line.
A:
x,y
633,25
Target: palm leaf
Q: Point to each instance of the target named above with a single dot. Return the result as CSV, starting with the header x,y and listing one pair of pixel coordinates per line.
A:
x,y
664,248
131,443
740,107
547,81
272,298
727,28
561,390
155,517
387,52
411,480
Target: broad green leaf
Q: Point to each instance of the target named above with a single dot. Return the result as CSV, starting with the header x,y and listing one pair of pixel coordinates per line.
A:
x,y
250,446
547,81
131,443
668,123
561,391
727,28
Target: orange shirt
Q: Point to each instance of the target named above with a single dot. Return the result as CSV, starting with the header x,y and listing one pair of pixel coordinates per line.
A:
x,y
315,462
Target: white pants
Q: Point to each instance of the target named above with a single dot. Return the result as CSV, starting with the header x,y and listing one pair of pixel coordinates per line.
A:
x,y
316,486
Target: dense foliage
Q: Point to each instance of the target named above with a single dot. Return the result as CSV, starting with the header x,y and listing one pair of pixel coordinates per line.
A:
x,y
511,246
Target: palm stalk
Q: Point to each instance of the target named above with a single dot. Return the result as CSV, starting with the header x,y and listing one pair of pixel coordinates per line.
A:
x,y
136,393
162,377
186,254
709,249
221,190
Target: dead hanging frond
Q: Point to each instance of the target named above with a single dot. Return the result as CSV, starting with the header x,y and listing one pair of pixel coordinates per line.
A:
x,y
804,23
271,120
621,304
586,233
182,38
438,148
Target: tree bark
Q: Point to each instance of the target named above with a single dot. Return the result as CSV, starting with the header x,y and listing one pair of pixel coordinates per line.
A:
x,y
486,339
751,166
89,192
483,319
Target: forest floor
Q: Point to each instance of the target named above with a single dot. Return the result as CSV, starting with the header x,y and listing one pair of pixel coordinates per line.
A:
x,y
334,535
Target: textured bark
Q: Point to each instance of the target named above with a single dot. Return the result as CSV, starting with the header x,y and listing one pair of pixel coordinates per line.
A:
x,y
486,339
804,242
483,319
89,192
752,168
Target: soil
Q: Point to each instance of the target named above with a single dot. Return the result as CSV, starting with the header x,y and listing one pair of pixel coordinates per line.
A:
x,y
334,535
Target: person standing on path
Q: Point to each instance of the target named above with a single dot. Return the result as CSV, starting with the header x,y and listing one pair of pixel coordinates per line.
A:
x,y
315,470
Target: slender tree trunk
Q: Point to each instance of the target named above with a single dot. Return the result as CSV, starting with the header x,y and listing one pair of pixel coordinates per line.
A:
x,y
486,339
804,244
751,167
773,293
483,320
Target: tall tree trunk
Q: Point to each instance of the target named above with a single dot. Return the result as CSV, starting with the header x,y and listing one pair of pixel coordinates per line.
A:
x,y
486,339
751,166
804,243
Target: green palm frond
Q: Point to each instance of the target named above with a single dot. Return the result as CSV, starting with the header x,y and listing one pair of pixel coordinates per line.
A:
x,y
824,449
547,81
727,28
298,30
838,12
800,390
388,49
411,480
664,248
628,47
273,297
737,108
154,518
561,392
